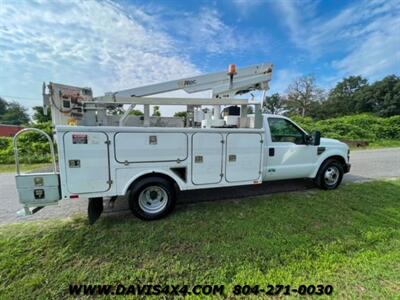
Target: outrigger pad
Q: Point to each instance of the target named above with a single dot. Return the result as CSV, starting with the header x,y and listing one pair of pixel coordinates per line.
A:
x,y
95,208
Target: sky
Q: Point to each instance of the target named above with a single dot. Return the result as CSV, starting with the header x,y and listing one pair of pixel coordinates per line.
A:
x,y
114,45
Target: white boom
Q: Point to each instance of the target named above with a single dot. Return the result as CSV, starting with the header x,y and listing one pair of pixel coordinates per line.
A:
x,y
221,83
71,103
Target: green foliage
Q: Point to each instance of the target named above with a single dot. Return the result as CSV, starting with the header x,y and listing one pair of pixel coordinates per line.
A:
x,y
156,111
356,127
13,113
33,147
39,115
6,150
3,106
383,97
181,114
342,98
136,112
391,128
307,123
274,104
10,168
354,95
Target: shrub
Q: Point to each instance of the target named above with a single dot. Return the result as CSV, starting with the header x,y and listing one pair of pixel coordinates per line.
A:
x,y
6,150
306,123
357,127
391,128
33,147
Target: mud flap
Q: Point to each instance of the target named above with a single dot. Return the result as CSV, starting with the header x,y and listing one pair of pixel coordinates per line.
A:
x,y
95,208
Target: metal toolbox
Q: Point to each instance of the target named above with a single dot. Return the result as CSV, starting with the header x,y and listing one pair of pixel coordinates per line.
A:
x,y
38,189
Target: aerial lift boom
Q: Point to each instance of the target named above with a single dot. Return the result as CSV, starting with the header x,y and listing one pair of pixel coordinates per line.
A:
x,y
223,85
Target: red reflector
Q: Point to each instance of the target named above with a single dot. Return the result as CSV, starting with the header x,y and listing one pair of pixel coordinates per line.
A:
x,y
74,196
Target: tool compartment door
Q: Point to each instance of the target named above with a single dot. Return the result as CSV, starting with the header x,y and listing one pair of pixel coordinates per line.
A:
x,y
87,162
139,147
243,157
207,150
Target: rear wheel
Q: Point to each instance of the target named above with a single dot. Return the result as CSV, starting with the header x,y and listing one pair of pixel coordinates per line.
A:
x,y
152,198
329,175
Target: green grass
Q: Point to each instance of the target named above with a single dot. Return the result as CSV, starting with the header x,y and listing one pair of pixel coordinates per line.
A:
x,y
384,144
379,144
10,168
349,238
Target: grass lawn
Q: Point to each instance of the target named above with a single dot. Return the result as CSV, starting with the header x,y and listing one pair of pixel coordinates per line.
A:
x,y
348,238
385,144
10,168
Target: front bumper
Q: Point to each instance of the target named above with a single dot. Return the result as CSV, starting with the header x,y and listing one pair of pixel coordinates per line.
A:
x,y
347,168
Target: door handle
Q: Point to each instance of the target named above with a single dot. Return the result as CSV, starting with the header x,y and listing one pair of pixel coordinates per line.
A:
x,y
198,159
271,151
232,157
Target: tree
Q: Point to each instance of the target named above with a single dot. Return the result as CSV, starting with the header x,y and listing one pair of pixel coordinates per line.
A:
x,y
382,97
39,115
274,104
3,106
15,114
156,111
181,114
136,112
303,96
344,98
115,109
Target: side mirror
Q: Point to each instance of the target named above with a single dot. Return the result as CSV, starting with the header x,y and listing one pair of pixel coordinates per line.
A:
x,y
308,139
316,138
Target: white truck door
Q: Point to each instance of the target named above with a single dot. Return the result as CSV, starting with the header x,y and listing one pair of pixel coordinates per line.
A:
x,y
243,157
207,149
86,162
287,155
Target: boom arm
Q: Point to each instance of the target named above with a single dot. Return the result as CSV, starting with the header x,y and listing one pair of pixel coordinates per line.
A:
x,y
222,84
74,105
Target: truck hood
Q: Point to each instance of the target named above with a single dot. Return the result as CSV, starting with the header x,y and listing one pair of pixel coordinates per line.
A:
x,y
331,142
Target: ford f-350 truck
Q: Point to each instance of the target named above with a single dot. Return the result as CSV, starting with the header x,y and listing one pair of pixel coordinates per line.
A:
x,y
101,156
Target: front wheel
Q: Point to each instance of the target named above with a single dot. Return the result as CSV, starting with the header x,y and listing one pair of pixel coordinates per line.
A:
x,y
152,198
330,175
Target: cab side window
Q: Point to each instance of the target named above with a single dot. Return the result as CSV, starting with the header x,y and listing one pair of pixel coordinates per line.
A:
x,y
283,130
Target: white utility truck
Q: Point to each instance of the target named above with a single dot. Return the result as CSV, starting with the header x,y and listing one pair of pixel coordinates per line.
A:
x,y
106,152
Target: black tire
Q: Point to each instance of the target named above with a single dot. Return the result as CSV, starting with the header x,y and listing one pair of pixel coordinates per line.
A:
x,y
329,175
144,206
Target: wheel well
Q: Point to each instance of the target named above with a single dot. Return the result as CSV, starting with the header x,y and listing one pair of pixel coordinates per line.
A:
x,y
338,158
155,174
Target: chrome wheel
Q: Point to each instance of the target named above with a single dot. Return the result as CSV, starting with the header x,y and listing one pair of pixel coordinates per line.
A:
x,y
331,175
153,199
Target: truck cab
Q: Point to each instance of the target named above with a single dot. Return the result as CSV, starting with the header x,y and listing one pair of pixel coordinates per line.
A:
x,y
290,152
